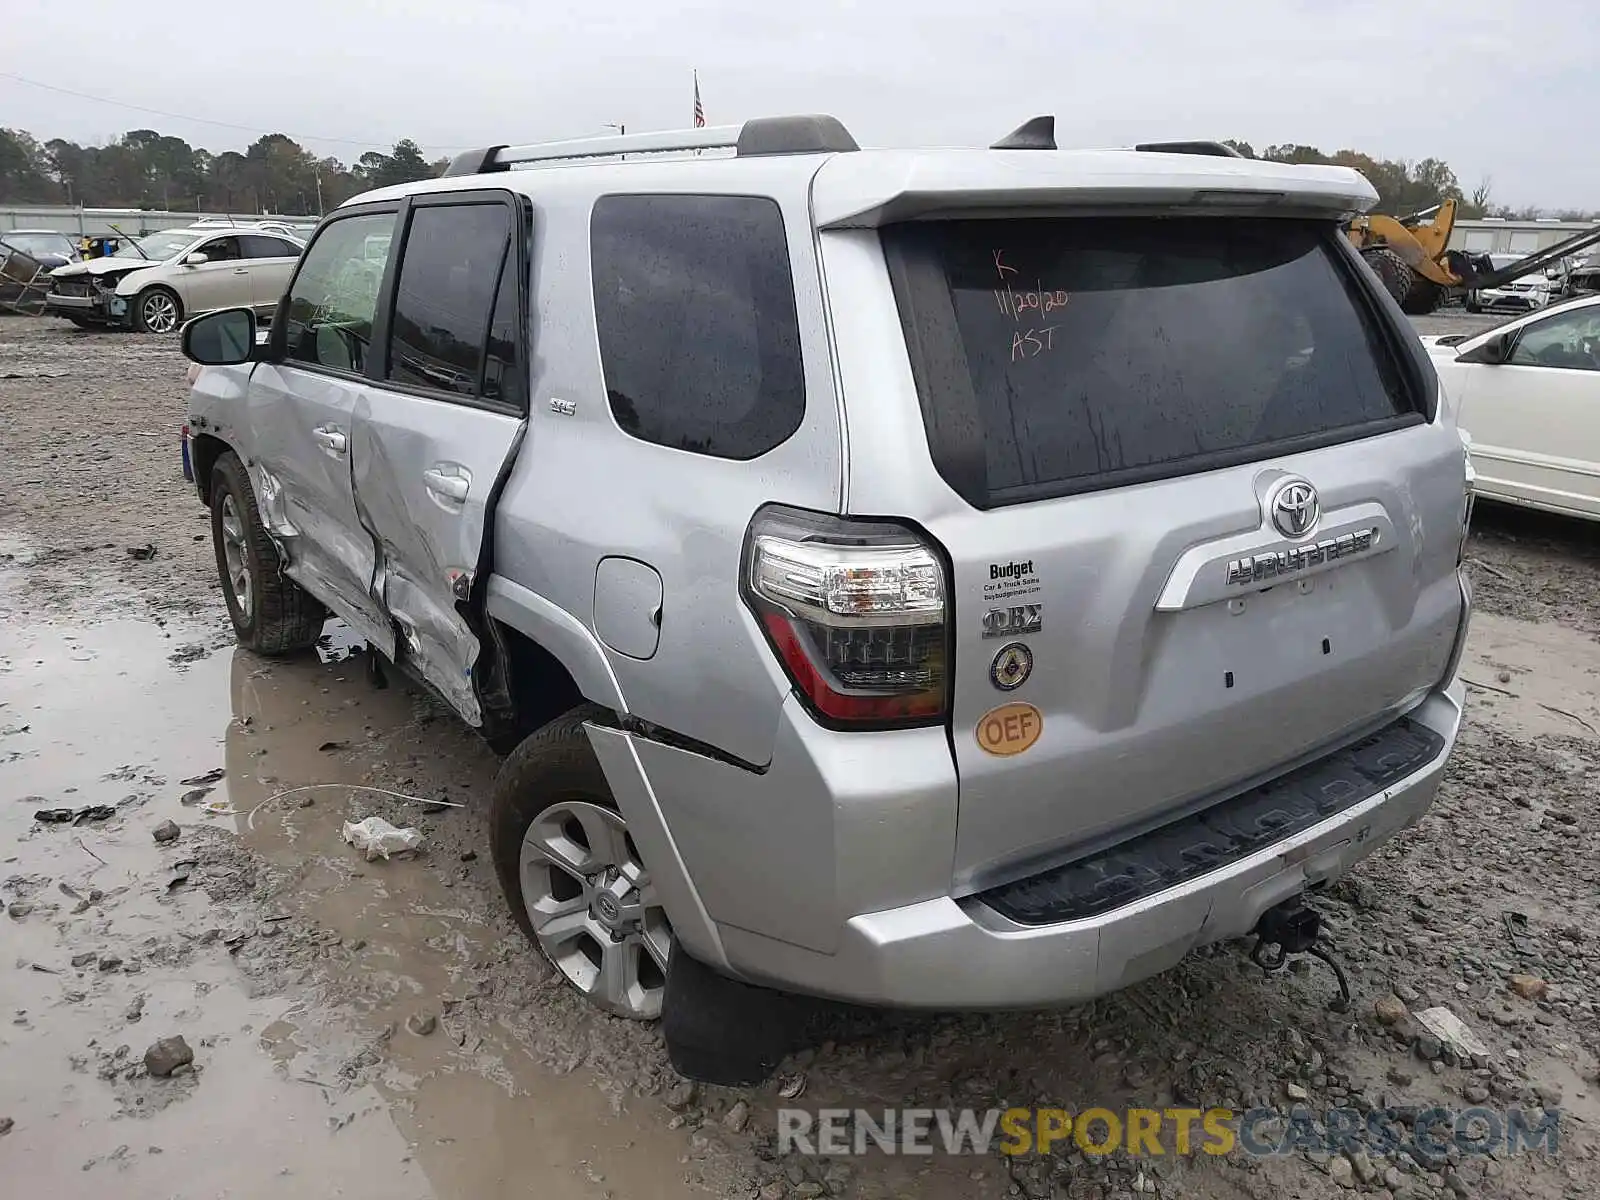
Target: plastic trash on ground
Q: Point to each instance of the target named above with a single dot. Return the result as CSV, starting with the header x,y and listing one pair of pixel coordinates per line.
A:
x,y
379,839
1452,1031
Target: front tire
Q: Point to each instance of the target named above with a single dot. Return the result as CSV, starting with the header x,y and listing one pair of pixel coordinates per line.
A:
x,y
272,614
572,874
157,310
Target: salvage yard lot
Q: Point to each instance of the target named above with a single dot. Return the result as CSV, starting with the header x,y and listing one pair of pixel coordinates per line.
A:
x,y
383,1028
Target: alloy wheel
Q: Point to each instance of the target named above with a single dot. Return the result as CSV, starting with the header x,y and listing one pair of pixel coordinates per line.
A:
x,y
238,562
593,909
160,313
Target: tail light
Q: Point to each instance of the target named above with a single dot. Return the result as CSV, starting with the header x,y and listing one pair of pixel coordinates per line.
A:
x,y
856,612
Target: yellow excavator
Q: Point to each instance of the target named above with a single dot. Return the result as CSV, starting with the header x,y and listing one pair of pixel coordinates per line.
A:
x,y
1411,255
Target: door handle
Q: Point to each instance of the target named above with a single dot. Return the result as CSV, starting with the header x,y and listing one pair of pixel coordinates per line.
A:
x,y
450,482
331,437
241,270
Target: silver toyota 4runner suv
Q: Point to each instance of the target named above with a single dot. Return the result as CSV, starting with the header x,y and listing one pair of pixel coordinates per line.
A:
x,y
947,579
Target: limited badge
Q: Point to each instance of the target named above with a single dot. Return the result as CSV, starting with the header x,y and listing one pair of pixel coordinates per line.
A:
x,y
1011,667
1010,729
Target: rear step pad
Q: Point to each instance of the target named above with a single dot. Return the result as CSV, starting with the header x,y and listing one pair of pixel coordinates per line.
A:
x,y
1219,835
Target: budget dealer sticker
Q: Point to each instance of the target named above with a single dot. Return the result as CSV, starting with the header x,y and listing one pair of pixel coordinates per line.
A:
x,y
1010,729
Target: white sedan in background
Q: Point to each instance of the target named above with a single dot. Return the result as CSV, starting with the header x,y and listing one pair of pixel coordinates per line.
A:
x,y
1528,395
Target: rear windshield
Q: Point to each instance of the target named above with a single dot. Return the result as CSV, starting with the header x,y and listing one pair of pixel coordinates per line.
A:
x,y
1058,355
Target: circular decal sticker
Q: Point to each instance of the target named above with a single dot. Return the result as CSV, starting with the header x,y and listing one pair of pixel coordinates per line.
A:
x,y
1010,729
1011,667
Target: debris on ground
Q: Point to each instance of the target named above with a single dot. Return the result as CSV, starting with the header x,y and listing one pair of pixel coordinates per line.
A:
x,y
142,553
791,1087
1390,1009
680,1097
212,776
422,1024
75,816
168,1055
165,832
1529,987
1449,1029
379,839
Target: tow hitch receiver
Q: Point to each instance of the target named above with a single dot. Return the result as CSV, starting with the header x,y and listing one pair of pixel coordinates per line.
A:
x,y
1292,928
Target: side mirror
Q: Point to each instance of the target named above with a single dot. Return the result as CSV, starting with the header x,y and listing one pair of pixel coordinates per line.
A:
x,y
196,259
221,339
1492,352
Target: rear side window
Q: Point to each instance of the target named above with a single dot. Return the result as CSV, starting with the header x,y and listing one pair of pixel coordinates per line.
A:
x,y
1059,355
449,278
694,303
258,246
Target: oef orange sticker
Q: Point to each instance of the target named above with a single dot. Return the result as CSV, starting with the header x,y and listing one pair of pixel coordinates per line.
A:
x,y
1010,729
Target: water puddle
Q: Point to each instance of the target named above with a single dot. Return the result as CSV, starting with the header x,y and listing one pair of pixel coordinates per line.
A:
x,y
353,1024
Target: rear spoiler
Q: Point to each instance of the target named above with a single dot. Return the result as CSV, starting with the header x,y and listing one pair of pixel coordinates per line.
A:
x,y
868,190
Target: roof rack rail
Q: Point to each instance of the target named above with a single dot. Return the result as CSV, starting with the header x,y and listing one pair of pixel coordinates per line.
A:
x,y
1211,149
757,138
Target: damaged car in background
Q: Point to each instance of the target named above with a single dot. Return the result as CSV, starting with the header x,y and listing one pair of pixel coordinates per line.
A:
x,y
155,283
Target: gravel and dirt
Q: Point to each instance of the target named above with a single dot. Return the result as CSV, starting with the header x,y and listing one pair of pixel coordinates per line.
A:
x,y
382,1029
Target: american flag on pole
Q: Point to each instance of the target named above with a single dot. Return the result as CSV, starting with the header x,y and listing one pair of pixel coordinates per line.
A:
x,y
699,112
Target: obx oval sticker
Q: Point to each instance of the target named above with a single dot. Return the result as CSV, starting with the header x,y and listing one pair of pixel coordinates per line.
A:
x,y
1010,729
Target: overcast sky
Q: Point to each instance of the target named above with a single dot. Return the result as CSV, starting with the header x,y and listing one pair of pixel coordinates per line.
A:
x,y
1496,88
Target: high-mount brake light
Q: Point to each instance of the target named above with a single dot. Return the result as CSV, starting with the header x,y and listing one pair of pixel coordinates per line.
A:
x,y
856,612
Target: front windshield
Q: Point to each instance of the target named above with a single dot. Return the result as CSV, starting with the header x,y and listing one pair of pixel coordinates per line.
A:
x,y
158,247
40,243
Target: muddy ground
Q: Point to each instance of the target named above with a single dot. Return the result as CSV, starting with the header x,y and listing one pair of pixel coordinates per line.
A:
x,y
382,1029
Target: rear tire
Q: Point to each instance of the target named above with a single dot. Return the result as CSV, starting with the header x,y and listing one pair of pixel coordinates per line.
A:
x,y
272,614
572,875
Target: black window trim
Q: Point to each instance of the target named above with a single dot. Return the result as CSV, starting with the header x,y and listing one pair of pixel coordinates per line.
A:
x,y
955,442
521,215
277,345
788,253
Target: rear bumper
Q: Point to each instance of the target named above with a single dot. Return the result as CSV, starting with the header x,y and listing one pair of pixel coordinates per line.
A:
x,y
946,953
